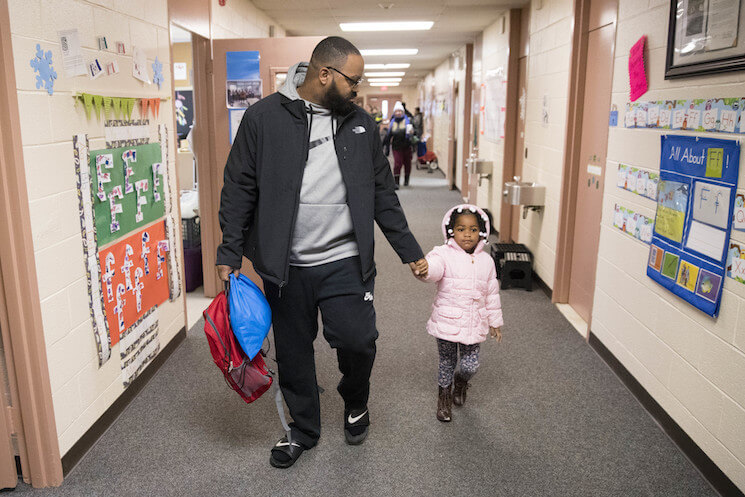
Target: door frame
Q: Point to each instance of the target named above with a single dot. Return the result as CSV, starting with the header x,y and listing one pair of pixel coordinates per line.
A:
x,y
572,159
467,131
42,465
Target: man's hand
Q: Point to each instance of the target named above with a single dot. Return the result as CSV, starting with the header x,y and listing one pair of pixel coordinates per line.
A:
x,y
496,333
224,272
419,268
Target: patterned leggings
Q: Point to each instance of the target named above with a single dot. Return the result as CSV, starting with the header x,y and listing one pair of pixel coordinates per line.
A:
x,y
469,361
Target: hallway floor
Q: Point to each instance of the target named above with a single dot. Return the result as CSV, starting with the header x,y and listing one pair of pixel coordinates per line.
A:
x,y
545,416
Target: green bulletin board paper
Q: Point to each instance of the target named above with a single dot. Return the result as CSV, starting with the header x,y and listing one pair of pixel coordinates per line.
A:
x,y
670,223
147,155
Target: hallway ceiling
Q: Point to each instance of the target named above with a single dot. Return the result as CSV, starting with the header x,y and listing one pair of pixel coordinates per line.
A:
x,y
457,22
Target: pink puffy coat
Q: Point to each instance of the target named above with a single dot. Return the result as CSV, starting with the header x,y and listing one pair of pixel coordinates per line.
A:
x,y
467,301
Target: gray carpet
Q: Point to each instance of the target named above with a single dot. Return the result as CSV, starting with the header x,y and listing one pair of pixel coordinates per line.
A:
x,y
545,415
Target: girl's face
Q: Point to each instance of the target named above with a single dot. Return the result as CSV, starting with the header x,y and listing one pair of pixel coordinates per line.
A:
x,y
466,232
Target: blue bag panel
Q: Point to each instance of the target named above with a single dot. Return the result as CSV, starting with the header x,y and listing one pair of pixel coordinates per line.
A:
x,y
250,315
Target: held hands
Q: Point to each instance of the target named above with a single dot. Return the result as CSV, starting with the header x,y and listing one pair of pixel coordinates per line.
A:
x,y
224,272
496,333
419,268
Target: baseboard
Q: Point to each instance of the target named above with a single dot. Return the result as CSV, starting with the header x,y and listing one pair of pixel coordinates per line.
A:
x,y
543,286
89,439
692,451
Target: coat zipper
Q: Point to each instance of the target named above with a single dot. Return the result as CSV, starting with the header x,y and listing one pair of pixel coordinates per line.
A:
x,y
306,149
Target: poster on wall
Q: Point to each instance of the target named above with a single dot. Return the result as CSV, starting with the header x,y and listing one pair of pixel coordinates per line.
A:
x,y
695,203
243,86
134,277
495,104
128,189
184,103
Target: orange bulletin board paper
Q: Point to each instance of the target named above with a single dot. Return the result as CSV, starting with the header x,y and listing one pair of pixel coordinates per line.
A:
x,y
134,277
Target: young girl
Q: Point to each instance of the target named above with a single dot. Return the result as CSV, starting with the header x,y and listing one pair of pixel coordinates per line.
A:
x,y
467,305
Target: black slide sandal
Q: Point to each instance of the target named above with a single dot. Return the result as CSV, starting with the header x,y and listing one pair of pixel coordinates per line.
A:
x,y
291,450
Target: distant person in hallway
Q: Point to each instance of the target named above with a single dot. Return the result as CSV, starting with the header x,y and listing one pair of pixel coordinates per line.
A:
x,y
467,307
305,182
398,138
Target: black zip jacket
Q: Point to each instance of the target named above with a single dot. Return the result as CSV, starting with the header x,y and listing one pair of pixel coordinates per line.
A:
x,y
264,174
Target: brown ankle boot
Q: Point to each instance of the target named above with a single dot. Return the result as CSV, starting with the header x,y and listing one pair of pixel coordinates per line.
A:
x,y
459,390
444,404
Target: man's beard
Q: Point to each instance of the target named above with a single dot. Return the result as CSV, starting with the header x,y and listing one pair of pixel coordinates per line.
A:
x,y
336,102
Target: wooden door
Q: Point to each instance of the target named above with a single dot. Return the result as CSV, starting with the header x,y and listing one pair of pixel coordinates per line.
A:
x,y
520,151
274,52
591,167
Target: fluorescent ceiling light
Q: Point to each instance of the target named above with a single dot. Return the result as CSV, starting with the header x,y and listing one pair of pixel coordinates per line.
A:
x,y
384,80
389,51
384,74
384,84
388,66
386,26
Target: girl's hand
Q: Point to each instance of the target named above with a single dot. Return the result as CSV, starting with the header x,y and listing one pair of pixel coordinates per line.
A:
x,y
496,333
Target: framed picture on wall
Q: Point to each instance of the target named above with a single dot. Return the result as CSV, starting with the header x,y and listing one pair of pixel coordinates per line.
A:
x,y
705,37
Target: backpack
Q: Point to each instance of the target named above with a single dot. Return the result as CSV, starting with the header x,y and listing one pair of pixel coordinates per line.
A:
x,y
249,378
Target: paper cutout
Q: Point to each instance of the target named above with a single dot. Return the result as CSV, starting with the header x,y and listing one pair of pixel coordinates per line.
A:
x,y
127,267
145,251
155,104
637,73
88,103
144,104
42,64
157,72
120,49
98,102
121,133
156,181
95,70
130,106
108,276
106,107
139,63
161,258
112,68
117,104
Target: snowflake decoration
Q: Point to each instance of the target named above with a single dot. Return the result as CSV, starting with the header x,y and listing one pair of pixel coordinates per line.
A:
x,y
157,72
42,65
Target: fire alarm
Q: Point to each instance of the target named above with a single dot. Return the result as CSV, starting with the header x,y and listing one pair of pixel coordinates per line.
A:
x,y
221,2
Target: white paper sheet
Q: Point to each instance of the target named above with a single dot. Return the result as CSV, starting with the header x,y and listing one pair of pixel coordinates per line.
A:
x,y
72,57
706,240
711,204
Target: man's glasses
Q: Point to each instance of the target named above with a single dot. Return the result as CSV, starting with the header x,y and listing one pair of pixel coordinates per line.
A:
x,y
352,82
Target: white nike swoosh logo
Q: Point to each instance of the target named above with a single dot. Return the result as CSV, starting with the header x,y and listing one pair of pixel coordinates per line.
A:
x,y
352,420
285,444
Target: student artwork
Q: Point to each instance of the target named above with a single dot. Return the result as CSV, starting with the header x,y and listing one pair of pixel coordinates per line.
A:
x,y
108,276
157,173
163,247
90,251
157,72
145,251
130,193
45,73
104,161
141,187
137,290
695,204
633,224
637,73
640,181
717,115
738,219
736,262
139,345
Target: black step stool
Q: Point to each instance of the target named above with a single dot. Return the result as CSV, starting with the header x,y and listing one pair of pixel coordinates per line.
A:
x,y
514,264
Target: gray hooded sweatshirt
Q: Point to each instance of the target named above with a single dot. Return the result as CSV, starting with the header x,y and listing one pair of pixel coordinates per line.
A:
x,y
323,229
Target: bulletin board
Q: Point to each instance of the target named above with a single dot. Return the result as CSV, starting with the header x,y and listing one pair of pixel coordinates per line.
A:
x,y
695,202
128,191
134,277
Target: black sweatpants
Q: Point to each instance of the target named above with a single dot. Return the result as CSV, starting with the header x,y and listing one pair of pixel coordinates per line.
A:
x,y
348,315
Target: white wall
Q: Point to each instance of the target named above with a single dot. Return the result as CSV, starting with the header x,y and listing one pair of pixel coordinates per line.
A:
x,y
548,76
241,19
693,365
438,85
81,391
494,59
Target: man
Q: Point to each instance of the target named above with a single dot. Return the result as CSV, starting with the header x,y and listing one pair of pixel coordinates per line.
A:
x,y
304,181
